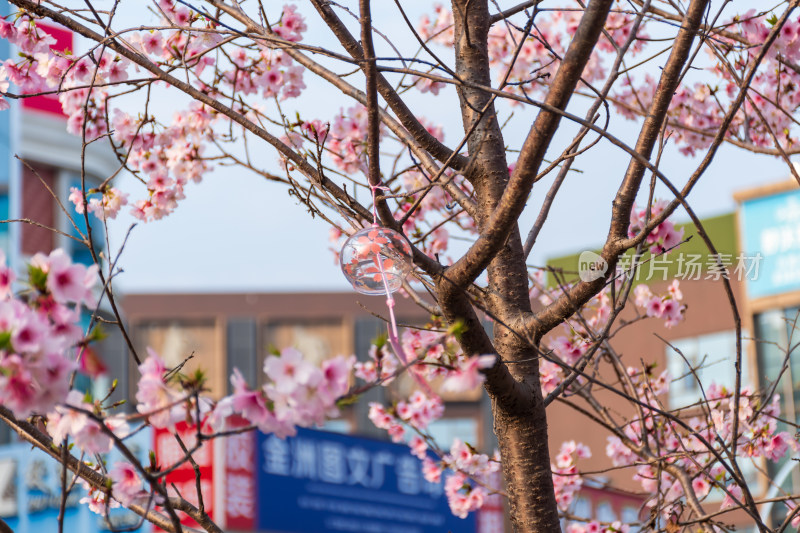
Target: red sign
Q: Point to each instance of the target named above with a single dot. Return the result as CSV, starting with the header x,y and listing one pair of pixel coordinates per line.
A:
x,y
169,453
240,485
491,516
49,103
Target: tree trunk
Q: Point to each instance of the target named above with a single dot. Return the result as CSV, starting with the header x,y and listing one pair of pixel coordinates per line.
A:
x,y
526,467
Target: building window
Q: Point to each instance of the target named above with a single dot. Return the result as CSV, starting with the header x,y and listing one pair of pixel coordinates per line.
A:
x,y
445,430
317,340
605,512
630,515
79,252
778,333
712,358
582,508
196,343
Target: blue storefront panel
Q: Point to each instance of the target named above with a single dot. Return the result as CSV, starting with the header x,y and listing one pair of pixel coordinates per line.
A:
x,y
771,235
30,492
319,481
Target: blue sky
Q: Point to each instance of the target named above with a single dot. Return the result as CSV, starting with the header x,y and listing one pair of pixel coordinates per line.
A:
x,y
237,232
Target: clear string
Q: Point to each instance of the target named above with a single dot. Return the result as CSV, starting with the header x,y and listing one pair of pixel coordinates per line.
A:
x,y
394,340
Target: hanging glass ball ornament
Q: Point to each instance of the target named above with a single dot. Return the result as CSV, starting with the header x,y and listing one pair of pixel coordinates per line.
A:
x,y
375,259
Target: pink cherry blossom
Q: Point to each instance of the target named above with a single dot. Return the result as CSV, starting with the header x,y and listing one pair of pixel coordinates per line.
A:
x,y
71,420
126,484
733,491
96,499
701,486
675,290
419,447
17,382
431,470
468,376
379,359
462,497
379,416
159,402
67,281
290,370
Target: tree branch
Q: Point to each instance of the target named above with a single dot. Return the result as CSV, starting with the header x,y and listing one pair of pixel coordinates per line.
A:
x,y
548,318
396,104
494,234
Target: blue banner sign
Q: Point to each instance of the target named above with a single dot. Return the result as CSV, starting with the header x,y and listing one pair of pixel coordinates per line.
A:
x,y
30,493
319,481
771,234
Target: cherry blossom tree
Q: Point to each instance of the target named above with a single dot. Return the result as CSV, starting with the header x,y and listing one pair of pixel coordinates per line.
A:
x,y
691,73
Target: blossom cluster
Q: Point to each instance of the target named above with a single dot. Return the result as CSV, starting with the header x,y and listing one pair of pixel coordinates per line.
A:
x,y
697,109
161,399
381,366
426,224
567,480
540,51
465,470
695,447
663,237
439,356
166,155
41,345
73,419
38,332
667,306
433,208
344,141
127,484
576,341
106,206
127,488
468,486
418,412
596,527
295,393
166,160
348,138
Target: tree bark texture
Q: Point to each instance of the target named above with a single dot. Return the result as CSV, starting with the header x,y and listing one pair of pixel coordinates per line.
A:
x,y
520,420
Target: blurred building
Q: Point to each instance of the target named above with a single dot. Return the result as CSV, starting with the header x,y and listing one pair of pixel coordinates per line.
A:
x,y
707,329
39,162
315,481
769,223
225,331
759,246
44,162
